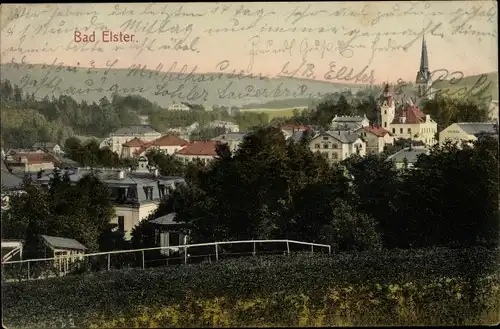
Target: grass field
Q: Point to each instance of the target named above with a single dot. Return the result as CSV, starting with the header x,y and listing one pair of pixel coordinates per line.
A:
x,y
381,288
276,113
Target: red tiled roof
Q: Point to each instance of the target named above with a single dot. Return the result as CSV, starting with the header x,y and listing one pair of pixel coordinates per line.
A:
x,y
412,113
32,157
143,148
199,148
169,140
136,142
376,130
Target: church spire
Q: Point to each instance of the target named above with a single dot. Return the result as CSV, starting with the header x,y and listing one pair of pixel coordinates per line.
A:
x,y
424,60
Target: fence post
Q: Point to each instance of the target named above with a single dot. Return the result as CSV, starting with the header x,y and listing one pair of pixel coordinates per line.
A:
x,y
254,248
312,249
216,252
185,255
288,247
29,275
143,259
329,249
109,262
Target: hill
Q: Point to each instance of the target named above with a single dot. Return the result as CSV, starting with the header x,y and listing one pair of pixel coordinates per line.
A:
x,y
163,87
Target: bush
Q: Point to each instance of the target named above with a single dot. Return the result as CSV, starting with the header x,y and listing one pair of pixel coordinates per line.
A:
x,y
402,287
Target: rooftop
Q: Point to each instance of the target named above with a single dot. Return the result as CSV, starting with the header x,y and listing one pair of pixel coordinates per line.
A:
x,y
410,153
376,130
206,148
169,140
63,243
167,219
230,137
343,136
135,142
31,157
475,128
412,113
348,119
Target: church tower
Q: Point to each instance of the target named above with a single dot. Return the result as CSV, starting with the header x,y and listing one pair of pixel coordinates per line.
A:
x,y
423,81
387,108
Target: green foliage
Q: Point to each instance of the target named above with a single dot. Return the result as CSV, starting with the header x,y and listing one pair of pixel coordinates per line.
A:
x,y
207,133
397,287
446,111
81,211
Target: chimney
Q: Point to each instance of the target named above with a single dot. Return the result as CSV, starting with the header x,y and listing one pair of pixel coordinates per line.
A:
x,y
121,174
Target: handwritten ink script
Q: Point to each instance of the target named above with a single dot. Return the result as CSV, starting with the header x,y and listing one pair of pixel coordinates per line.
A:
x,y
257,45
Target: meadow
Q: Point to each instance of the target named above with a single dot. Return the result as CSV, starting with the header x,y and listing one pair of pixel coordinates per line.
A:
x,y
276,113
389,287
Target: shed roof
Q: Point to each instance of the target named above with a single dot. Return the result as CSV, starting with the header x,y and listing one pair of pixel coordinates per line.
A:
x,y
63,243
167,219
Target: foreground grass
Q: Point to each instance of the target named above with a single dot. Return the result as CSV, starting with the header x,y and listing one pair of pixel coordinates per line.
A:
x,y
405,287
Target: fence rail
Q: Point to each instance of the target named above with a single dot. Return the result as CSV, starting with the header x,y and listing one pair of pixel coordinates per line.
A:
x,y
157,256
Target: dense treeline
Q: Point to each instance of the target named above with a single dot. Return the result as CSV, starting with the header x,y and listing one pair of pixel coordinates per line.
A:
x,y
26,120
81,211
271,188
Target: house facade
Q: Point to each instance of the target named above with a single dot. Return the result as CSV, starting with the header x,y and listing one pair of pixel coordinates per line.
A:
x,y
178,107
202,150
349,122
168,143
376,137
26,162
465,132
406,120
338,145
122,135
47,147
233,140
229,126
134,194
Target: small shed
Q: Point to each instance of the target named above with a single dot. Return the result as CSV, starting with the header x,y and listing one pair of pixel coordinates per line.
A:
x,y
169,233
65,251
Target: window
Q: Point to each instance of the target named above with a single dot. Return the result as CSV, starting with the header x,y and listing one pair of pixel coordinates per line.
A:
x,y
335,146
325,138
316,146
409,130
148,191
121,223
385,124
393,130
335,156
385,111
400,130
325,146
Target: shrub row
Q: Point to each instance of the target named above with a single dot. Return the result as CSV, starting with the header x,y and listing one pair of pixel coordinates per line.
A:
x,y
403,287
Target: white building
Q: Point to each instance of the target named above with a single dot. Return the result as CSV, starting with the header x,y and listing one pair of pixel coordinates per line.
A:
x,y
229,126
178,107
465,132
349,122
338,145
202,150
122,135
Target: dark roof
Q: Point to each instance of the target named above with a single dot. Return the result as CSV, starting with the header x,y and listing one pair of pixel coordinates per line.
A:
x,y
230,137
63,243
348,119
411,155
475,128
167,219
10,181
343,136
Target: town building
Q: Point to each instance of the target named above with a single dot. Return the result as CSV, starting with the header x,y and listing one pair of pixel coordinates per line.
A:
x,y
178,107
134,193
11,185
406,120
466,132
338,145
289,129
229,126
349,122
232,139
408,156
122,135
202,150
47,147
376,137
168,233
166,143
26,162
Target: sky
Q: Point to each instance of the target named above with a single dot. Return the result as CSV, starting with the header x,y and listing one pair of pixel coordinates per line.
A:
x,y
355,39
